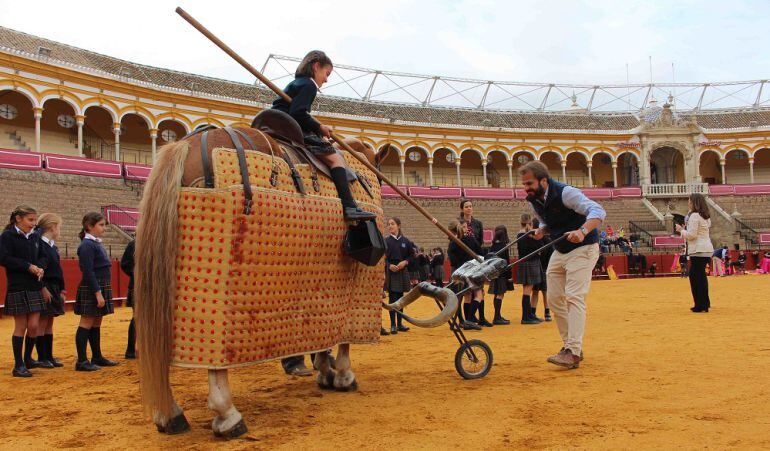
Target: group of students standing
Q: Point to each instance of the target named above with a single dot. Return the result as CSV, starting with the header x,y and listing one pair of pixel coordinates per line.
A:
x,y
472,315
35,289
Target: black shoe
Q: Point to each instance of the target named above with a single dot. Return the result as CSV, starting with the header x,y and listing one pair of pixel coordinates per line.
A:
x,y
384,332
21,371
356,214
530,321
393,330
485,323
55,362
130,355
402,328
32,363
500,321
548,317
101,361
85,365
470,325
45,364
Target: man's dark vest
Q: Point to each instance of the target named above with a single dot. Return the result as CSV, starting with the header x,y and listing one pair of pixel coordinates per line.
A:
x,y
561,219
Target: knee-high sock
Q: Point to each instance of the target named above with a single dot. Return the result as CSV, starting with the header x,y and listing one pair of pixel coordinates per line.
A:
x,y
29,344
81,343
340,179
95,338
475,305
394,296
526,308
49,345
498,303
42,353
18,345
131,346
468,311
480,306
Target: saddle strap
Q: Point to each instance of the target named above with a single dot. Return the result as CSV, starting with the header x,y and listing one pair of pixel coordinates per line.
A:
x,y
300,153
295,175
247,193
208,174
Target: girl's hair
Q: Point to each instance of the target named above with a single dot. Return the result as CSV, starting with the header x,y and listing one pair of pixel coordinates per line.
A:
x,y
525,220
46,221
305,68
462,204
21,210
501,234
90,220
699,205
456,228
422,249
535,223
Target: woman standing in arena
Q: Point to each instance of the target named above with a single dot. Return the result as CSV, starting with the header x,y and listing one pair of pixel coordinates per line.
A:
x,y
457,257
398,251
23,301
500,286
699,250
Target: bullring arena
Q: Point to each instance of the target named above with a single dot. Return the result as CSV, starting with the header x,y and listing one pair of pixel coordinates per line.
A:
x,y
81,131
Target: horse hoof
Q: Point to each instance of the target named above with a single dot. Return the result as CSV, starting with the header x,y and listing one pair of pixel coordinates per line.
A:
x,y
326,382
176,425
234,432
352,387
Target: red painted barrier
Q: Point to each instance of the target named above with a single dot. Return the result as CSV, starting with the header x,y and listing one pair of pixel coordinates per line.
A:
x,y
137,172
721,190
72,277
83,166
436,192
387,191
488,193
28,161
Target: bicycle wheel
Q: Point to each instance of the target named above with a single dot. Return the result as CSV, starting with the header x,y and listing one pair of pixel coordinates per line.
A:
x,y
473,359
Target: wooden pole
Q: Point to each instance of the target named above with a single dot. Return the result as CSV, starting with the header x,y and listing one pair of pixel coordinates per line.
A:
x,y
361,158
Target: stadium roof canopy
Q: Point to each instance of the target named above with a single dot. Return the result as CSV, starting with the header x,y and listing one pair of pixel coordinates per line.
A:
x,y
438,91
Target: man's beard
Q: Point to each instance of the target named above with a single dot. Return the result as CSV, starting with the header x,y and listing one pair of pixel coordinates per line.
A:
x,y
539,192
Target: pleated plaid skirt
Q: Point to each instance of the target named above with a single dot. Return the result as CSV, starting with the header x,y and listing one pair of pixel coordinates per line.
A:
x,y
56,306
21,303
85,301
397,282
529,273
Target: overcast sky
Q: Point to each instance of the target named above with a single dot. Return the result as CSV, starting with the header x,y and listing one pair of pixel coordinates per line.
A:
x,y
534,41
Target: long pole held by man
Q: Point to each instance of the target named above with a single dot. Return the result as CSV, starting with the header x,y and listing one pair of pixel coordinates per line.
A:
x,y
564,210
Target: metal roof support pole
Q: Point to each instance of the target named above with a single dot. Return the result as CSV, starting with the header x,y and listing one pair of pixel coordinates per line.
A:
x,y
368,94
264,66
591,100
702,94
484,97
545,99
430,92
646,97
759,94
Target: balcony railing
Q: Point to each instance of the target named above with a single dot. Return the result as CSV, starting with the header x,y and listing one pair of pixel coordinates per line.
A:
x,y
674,189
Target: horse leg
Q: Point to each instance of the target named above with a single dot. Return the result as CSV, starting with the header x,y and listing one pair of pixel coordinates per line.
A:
x,y
229,422
175,424
345,380
326,373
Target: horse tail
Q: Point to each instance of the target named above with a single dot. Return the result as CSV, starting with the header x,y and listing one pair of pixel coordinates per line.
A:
x,y
155,277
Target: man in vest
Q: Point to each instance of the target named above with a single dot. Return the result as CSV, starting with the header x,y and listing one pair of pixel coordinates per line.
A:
x,y
565,210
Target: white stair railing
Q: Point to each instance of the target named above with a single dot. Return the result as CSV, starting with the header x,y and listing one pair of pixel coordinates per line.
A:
x,y
674,189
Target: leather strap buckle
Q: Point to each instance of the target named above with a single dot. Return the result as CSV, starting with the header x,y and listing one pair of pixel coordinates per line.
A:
x,y
274,176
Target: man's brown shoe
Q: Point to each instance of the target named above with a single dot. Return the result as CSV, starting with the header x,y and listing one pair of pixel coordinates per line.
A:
x,y
566,359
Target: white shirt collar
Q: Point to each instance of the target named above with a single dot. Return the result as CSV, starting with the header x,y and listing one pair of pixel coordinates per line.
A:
x,y
47,240
316,84
26,235
396,237
91,237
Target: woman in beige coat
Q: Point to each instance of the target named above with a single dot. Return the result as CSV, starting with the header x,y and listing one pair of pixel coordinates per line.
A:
x,y
699,250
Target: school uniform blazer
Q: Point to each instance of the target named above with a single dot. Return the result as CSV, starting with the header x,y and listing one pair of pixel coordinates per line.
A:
x,y
697,235
302,91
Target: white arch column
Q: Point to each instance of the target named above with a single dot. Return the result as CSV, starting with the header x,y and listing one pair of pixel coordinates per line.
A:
x,y
457,166
430,171
38,113
615,174
563,163
722,163
154,137
484,173
116,132
751,169
590,164
80,120
401,161
510,173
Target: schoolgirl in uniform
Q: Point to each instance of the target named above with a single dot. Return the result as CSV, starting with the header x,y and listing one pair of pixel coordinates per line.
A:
x,y
127,265
542,287
311,74
24,300
94,298
457,257
48,230
437,266
529,273
398,251
499,286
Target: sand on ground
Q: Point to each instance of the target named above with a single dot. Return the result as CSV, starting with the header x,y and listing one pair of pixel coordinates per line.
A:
x,y
655,376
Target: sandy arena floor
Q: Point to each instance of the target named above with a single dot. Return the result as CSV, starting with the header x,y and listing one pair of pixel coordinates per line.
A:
x,y
655,376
